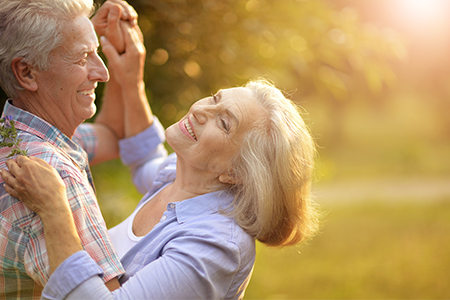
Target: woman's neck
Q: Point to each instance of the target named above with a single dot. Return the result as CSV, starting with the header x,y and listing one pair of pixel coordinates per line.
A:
x,y
191,182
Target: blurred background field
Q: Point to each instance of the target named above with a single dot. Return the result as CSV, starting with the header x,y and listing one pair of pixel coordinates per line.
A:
x,y
373,79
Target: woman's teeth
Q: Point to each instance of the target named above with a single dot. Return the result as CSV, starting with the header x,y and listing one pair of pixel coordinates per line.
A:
x,y
189,129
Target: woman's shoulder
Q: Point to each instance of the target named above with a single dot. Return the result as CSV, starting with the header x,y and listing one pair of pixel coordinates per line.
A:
x,y
218,226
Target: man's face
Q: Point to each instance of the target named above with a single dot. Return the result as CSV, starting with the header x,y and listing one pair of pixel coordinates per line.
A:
x,y
67,88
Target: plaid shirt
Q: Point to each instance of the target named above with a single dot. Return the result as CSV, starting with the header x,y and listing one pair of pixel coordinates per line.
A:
x,y
24,265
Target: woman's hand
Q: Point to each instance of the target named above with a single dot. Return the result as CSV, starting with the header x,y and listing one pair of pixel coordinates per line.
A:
x,y
108,18
35,183
39,186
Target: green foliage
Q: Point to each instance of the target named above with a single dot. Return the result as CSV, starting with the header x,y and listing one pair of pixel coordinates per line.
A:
x,y
8,137
197,47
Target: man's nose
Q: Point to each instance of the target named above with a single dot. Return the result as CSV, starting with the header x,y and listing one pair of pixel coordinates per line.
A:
x,y
98,70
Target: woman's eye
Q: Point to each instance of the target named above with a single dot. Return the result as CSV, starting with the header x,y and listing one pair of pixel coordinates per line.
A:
x,y
225,125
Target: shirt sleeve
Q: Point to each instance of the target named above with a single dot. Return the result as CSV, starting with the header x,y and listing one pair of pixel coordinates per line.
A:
x,y
184,271
86,137
81,269
91,226
143,154
89,223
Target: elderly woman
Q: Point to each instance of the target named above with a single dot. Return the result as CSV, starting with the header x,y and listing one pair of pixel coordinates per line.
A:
x,y
240,172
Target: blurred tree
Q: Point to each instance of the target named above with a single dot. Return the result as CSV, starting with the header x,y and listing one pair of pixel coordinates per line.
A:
x,y
306,47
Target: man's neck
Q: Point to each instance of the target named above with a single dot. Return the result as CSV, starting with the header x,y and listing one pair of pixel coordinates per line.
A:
x,y
35,107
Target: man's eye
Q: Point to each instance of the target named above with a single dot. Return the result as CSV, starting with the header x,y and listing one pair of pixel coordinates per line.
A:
x,y
83,61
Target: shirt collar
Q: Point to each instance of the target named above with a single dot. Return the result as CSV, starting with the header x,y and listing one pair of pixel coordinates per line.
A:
x,y
32,124
207,204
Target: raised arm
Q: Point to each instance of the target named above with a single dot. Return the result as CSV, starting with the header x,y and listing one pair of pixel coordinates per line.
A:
x,y
127,70
109,124
126,110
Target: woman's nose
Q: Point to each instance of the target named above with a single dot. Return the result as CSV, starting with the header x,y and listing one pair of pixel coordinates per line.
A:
x,y
203,112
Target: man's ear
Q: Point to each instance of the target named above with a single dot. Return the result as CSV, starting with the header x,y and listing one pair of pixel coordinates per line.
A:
x,y
25,74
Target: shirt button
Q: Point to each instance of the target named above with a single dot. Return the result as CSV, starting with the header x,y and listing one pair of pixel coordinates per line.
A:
x,y
172,205
163,218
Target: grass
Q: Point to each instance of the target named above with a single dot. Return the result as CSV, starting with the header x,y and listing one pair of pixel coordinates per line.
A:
x,y
365,251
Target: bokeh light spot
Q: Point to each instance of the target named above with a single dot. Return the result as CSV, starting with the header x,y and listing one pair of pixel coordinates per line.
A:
x,y
159,57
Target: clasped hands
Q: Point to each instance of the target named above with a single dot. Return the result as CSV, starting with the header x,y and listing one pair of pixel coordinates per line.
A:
x,y
122,41
107,21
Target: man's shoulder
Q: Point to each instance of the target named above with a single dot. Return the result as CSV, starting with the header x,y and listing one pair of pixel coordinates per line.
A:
x,y
45,150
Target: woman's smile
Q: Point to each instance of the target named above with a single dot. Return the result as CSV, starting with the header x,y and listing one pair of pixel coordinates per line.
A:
x,y
186,128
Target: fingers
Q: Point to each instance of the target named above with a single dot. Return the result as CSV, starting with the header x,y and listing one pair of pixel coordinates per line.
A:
x,y
40,161
114,31
13,167
21,160
128,12
10,190
109,50
132,36
114,14
8,178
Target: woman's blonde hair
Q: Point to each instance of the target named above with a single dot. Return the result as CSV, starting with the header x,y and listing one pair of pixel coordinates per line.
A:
x,y
31,29
274,169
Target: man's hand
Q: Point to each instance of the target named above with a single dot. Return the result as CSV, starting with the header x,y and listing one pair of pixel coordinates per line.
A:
x,y
107,21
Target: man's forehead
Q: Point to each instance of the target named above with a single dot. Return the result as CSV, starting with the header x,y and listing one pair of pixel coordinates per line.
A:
x,y
79,37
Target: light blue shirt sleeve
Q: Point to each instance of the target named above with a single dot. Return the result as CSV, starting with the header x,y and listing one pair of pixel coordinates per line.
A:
x,y
194,273
61,283
143,154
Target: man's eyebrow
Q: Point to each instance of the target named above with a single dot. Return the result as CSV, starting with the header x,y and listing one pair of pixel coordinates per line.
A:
x,y
91,47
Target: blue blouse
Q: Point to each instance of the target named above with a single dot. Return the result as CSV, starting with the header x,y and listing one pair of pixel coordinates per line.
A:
x,y
194,252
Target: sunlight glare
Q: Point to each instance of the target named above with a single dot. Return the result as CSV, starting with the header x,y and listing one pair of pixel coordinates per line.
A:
x,y
422,11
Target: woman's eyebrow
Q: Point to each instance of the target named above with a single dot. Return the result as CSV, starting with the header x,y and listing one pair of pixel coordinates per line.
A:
x,y
227,111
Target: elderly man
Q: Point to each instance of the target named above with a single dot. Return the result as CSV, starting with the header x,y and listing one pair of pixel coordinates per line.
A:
x,y
50,69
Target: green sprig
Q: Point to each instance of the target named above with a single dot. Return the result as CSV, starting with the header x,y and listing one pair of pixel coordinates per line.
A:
x,y
8,136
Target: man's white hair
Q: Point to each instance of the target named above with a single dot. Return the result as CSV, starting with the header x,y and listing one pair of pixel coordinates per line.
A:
x,y
31,29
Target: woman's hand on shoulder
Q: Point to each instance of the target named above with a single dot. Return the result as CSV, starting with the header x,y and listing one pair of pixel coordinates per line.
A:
x,y
37,184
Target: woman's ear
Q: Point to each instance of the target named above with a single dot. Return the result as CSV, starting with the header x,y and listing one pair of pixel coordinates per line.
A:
x,y
25,74
229,178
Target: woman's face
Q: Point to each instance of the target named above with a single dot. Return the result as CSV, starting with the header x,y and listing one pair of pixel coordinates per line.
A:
x,y
211,133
